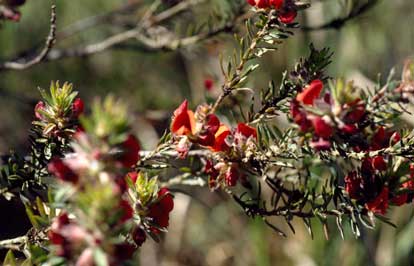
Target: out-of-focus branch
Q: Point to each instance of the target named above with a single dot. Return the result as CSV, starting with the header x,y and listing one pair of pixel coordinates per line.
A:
x,y
138,34
24,63
93,21
340,22
14,244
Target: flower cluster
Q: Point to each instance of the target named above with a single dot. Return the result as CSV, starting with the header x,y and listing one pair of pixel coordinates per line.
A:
x,y
8,9
57,114
231,149
287,10
106,211
340,117
152,206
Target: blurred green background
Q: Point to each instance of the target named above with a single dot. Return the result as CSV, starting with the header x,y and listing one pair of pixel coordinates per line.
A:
x,y
208,229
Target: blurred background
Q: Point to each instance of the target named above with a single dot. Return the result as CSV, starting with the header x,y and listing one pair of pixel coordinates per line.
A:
x,y
208,228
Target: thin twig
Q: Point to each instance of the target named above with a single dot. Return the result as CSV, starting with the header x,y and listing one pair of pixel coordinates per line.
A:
x,y
227,86
24,63
14,243
149,20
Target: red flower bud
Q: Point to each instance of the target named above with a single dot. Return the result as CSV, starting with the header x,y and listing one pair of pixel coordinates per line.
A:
x,y
133,176
77,107
40,106
208,84
395,138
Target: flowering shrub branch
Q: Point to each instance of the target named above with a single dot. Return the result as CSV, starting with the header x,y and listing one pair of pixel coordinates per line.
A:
x,y
99,197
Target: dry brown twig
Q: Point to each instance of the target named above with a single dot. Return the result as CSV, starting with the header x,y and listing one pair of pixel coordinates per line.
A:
x,y
24,63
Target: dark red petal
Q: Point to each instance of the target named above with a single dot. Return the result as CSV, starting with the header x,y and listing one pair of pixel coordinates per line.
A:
x,y
181,122
310,92
288,17
322,129
130,154
246,130
59,169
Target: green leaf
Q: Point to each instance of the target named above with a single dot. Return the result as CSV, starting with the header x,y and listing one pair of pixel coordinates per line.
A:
x,y
100,257
9,260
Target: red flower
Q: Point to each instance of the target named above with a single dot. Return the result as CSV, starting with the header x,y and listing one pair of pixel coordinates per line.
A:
x,y
379,163
130,151
207,138
127,211
353,185
232,175
262,3
277,4
183,122
77,107
356,111
400,199
220,143
299,116
208,84
139,236
383,139
380,203
246,130
59,169
160,211
349,129
133,176
310,92
322,129
404,198
54,233
288,16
